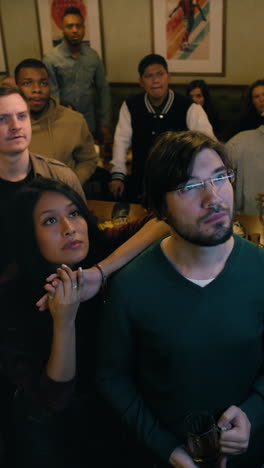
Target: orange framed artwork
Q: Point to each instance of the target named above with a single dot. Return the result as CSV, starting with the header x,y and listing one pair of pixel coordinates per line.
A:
x,y
190,35
50,14
3,61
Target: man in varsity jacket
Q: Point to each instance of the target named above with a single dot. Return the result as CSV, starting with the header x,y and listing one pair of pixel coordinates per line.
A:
x,y
143,117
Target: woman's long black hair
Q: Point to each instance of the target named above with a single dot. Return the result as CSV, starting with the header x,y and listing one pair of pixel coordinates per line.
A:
x,y
22,237
208,105
249,105
201,84
250,116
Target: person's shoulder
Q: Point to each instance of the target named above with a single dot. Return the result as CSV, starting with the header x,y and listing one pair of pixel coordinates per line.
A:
x,y
135,100
72,121
70,114
245,136
136,270
52,168
181,99
54,54
41,160
251,251
87,50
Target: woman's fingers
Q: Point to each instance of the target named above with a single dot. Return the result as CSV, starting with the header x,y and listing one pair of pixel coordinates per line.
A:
x,y
72,281
51,277
71,286
51,288
66,282
80,279
42,303
234,447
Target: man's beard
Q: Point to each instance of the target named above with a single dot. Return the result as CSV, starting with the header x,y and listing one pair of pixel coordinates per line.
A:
x,y
222,232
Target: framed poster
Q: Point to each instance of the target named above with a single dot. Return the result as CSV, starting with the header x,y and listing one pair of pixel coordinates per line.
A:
x,y
3,62
190,35
50,14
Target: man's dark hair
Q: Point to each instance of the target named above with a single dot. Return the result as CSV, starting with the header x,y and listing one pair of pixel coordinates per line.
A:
x,y
170,164
72,11
151,59
7,89
29,63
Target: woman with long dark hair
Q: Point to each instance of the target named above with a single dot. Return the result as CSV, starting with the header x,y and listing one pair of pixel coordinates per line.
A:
x,y
199,92
49,355
253,112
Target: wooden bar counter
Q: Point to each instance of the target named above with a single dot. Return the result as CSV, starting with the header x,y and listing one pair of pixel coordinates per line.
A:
x,y
106,211
253,226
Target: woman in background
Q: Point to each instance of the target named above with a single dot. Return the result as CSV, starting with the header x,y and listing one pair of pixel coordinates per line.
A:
x,y
253,113
199,92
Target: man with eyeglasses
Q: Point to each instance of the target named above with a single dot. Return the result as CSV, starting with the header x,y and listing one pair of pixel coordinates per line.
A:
x,y
183,328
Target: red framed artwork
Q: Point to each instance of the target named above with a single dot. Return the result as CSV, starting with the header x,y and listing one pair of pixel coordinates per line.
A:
x,y
50,12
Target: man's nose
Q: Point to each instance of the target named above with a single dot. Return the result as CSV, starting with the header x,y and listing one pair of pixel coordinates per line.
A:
x,y
36,87
211,193
14,122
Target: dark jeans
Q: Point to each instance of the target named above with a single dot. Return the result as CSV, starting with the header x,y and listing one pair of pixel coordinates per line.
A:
x,y
88,434
76,437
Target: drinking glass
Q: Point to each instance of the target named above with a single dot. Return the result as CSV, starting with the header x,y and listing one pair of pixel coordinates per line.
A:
x,y
202,438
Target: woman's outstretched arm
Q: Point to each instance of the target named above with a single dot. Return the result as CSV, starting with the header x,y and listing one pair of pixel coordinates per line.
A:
x,y
150,232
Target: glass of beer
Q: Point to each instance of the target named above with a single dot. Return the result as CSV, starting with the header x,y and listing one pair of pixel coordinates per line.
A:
x,y
202,438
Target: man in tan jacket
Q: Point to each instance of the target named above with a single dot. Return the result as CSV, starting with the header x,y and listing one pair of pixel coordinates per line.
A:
x,y
57,132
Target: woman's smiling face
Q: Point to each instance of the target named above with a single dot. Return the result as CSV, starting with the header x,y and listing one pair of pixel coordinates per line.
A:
x,y
60,229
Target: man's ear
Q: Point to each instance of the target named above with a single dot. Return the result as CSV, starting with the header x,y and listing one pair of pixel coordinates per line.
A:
x,y
141,82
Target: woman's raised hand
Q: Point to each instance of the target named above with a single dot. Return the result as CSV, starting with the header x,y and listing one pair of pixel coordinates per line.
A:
x,y
64,294
89,286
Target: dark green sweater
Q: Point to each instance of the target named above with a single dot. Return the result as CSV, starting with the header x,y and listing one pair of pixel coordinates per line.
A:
x,y
168,346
